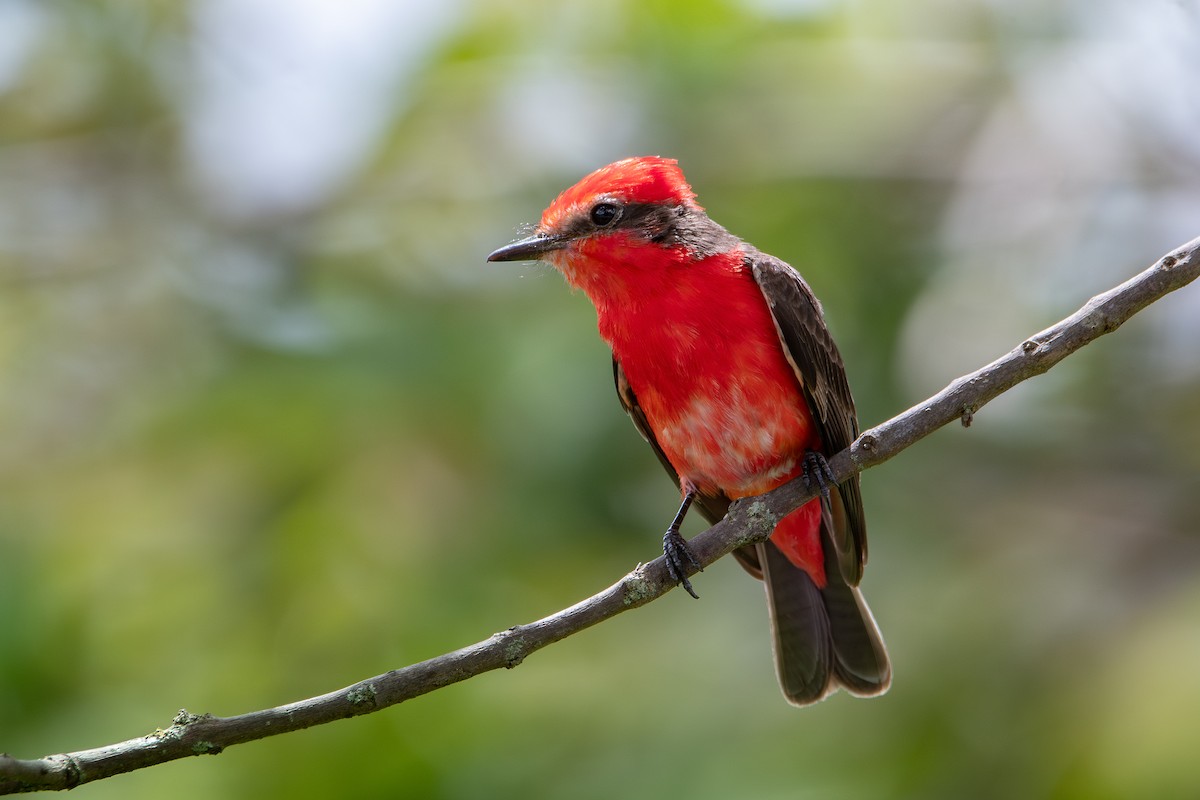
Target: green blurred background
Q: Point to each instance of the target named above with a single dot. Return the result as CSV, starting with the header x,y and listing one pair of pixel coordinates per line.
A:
x,y
270,425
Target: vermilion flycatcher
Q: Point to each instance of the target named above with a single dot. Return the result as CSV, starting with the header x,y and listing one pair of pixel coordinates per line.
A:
x,y
722,359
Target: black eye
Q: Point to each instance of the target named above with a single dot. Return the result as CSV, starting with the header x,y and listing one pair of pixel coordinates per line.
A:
x,y
604,214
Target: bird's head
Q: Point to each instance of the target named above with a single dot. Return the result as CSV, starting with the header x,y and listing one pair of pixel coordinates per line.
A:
x,y
631,202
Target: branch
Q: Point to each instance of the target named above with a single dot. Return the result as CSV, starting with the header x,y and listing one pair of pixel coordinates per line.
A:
x,y
748,521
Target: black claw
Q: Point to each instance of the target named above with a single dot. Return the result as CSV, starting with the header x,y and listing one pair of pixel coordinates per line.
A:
x,y
675,548
816,470
679,557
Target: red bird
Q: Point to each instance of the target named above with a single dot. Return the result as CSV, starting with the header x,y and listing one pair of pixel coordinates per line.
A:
x,y
722,359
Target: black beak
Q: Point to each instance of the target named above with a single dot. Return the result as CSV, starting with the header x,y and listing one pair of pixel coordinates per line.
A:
x,y
528,249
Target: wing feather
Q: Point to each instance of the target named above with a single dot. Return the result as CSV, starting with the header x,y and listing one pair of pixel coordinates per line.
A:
x,y
814,357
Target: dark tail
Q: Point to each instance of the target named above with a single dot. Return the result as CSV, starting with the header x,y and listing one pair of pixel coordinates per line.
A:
x,y
824,638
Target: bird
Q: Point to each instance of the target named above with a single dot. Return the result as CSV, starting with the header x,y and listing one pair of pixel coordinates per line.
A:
x,y
722,359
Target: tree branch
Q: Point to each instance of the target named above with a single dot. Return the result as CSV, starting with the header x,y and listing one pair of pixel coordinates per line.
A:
x,y
749,521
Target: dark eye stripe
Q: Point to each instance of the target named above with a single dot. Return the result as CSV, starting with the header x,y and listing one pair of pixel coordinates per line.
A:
x,y
653,221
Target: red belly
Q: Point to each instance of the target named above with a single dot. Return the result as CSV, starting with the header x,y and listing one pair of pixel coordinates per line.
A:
x,y
725,406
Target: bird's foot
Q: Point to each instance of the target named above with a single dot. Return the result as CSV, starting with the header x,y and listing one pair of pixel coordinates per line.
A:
x,y
679,558
817,473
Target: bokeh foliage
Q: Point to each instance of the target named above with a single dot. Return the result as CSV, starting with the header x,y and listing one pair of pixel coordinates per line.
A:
x,y
269,425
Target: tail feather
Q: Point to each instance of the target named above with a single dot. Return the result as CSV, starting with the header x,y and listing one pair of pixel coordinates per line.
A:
x,y
825,638
861,662
803,642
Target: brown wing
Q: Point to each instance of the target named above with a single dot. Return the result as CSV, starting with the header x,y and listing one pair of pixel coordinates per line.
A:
x,y
813,355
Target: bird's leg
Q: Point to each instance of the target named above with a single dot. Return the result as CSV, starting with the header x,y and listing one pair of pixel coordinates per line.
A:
x,y
675,548
817,471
